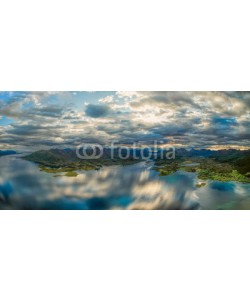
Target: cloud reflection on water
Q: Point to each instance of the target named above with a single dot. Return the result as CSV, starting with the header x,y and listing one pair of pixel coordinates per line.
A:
x,y
24,186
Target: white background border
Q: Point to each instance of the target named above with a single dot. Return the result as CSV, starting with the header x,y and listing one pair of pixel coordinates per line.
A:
x,y
124,45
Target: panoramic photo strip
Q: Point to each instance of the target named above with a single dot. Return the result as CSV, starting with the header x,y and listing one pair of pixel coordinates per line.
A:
x,y
124,150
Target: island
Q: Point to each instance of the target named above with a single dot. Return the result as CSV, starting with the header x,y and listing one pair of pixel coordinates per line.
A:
x,y
65,161
221,165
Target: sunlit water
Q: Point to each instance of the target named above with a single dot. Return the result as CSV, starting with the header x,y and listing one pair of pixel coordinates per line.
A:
x,y
24,186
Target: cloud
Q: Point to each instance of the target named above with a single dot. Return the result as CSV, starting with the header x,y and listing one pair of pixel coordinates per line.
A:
x,y
192,119
165,99
97,111
107,99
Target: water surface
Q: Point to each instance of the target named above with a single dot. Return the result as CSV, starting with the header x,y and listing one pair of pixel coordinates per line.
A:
x,y
139,186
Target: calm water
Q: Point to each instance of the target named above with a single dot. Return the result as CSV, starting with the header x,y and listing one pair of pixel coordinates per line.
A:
x,y
23,186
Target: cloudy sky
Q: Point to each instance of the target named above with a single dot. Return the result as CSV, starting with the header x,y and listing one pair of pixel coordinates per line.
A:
x,y
41,120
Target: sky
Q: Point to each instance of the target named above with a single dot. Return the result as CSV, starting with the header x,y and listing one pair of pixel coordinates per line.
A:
x,y
42,120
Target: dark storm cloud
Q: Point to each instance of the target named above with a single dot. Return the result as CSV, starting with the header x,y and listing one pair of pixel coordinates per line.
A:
x,y
97,111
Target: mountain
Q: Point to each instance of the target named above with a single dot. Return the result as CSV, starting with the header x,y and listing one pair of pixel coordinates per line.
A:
x,y
56,158
52,156
7,152
239,159
218,163
182,152
62,155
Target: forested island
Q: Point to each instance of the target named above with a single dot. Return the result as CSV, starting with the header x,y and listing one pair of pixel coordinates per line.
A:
x,y
221,165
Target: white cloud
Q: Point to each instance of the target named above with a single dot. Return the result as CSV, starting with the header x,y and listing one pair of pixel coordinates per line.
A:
x,y
108,99
180,117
